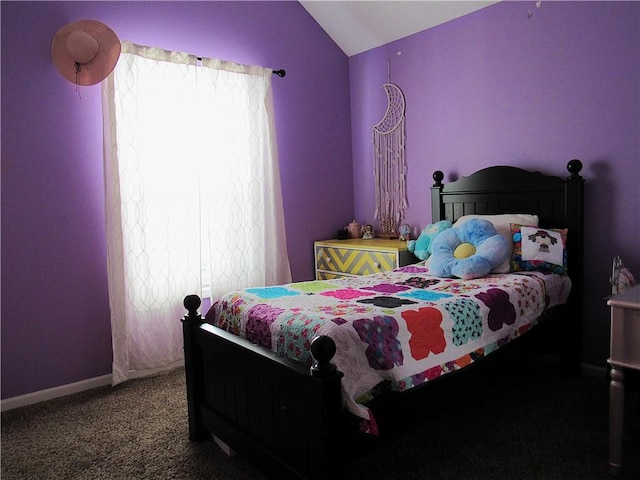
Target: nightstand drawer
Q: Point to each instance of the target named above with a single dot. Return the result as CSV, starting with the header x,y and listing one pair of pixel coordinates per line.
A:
x,y
335,258
323,275
353,261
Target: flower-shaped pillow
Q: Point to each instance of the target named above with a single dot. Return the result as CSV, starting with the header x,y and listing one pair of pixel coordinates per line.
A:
x,y
468,251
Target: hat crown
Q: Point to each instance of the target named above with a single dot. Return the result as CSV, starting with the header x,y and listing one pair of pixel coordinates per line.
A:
x,y
85,52
82,47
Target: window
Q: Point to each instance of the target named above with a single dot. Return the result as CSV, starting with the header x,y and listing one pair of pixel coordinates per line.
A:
x,y
192,193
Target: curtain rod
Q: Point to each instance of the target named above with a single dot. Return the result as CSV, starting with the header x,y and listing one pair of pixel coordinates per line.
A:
x,y
281,73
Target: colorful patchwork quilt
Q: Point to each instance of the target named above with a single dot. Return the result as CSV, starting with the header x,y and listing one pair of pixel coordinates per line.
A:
x,y
393,330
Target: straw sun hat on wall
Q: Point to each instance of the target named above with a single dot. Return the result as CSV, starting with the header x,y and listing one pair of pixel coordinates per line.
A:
x,y
85,52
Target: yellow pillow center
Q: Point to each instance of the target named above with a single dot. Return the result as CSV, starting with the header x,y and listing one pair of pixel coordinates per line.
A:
x,y
464,250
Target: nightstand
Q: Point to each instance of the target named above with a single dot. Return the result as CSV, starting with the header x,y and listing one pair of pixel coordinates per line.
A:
x,y
624,353
335,258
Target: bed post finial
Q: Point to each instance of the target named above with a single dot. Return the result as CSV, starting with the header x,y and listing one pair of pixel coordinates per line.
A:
x,y
323,349
192,303
438,176
574,166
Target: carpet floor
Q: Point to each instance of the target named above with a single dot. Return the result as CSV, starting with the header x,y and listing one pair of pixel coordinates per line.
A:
x,y
537,424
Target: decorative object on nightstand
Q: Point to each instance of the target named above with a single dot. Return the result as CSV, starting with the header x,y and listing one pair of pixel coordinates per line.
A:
x,y
405,232
367,232
354,229
342,234
339,258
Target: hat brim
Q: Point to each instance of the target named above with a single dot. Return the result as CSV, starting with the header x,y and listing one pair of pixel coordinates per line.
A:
x,y
100,67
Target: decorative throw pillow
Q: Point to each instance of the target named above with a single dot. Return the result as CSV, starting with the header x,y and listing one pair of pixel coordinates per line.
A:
x,y
503,222
469,251
537,248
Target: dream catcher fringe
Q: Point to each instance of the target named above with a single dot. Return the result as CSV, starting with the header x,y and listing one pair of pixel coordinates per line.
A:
x,y
389,165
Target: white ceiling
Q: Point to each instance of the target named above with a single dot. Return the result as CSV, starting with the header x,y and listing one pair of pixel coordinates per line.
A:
x,y
360,25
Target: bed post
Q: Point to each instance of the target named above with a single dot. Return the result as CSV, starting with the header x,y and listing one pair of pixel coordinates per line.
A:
x,y
193,364
328,441
574,215
437,207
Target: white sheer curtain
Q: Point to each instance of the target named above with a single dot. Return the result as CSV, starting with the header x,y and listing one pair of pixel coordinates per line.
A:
x,y
193,199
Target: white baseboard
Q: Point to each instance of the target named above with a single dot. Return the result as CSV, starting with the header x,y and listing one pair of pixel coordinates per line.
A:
x,y
55,392
145,373
77,387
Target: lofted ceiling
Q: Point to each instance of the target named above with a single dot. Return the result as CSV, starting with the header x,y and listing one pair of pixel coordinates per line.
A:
x,y
360,25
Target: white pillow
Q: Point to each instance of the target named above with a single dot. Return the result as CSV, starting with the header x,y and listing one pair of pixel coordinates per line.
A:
x,y
503,222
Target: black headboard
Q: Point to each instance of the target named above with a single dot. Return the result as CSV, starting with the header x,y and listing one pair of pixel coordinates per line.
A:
x,y
502,189
558,201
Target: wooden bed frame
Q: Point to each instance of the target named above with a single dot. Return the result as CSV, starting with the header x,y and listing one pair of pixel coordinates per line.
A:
x,y
288,419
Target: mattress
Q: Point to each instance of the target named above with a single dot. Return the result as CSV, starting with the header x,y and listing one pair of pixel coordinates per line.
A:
x,y
393,330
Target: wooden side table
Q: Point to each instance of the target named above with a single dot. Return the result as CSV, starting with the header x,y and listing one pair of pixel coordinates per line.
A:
x,y
624,353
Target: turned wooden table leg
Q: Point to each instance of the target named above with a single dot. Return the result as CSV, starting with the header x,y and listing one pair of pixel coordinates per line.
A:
x,y
616,419
624,353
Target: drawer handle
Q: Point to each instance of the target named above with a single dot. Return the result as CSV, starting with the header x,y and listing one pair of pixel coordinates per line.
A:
x,y
376,265
329,259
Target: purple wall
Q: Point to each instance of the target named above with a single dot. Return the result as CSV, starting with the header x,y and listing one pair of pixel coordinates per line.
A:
x,y
55,311
496,87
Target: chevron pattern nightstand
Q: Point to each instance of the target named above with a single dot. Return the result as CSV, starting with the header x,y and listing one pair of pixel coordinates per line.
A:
x,y
336,258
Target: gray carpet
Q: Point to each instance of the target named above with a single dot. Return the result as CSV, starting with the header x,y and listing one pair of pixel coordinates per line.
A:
x,y
536,425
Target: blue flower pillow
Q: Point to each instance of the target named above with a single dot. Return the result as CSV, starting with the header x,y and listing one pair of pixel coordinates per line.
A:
x,y
503,223
468,251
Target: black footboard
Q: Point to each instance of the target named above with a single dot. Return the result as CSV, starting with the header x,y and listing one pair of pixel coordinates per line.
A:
x,y
284,416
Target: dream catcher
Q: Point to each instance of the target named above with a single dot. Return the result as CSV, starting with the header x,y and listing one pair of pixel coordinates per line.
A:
x,y
389,166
